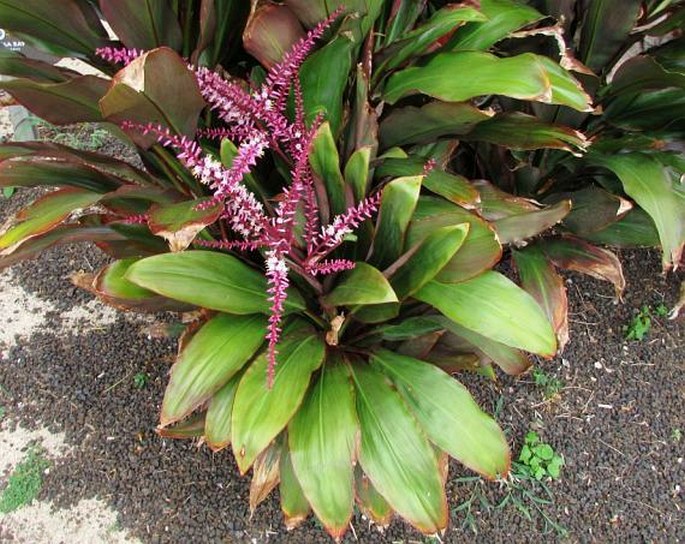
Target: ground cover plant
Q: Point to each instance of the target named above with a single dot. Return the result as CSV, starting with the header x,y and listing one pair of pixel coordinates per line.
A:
x,y
314,184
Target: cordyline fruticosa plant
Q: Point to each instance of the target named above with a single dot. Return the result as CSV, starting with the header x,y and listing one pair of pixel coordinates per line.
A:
x,y
315,181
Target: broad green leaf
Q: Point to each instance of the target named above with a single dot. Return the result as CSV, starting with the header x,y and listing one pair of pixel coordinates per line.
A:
x,y
636,229
651,110
575,254
402,19
503,17
639,74
419,41
370,501
453,187
396,455
265,473
444,408
377,313
425,124
44,214
541,280
526,76
510,360
362,285
396,210
61,26
271,31
357,172
479,252
217,351
431,256
497,204
218,422
324,79
208,279
361,14
293,502
605,30
143,24
111,286
593,209
494,306
260,413
155,88
325,162
517,130
72,101
410,328
648,182
322,438
180,223
516,228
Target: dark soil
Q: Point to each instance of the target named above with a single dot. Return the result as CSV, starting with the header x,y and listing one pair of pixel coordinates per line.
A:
x,y
617,422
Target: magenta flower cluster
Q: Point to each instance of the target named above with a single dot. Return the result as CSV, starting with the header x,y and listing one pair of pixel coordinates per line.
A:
x,y
256,121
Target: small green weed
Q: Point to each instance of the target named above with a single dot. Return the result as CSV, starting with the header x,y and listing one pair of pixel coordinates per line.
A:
x,y
641,323
676,435
7,192
140,380
25,482
2,412
528,496
550,385
538,459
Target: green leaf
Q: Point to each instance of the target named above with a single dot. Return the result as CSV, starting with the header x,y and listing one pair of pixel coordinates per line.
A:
x,y
63,26
111,286
155,88
425,124
541,280
370,501
526,76
395,454
544,452
143,24
260,413
322,439
325,162
492,305
503,17
605,30
193,427
15,64
208,279
293,502
648,182
516,228
419,41
72,101
362,285
593,209
479,252
428,259
43,215
219,410
444,408
408,329
397,207
217,351
180,223
30,173
510,360
575,254
516,130
324,79
635,229
357,173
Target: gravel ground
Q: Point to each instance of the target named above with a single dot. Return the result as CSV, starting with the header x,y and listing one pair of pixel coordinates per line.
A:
x,y
616,420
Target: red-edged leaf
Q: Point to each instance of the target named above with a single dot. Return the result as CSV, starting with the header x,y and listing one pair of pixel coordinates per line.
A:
x,y
265,474
293,502
180,223
575,254
371,502
541,280
143,24
218,423
271,31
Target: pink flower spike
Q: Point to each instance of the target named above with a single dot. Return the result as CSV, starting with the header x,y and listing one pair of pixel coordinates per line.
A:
x,y
277,277
118,55
227,245
332,266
